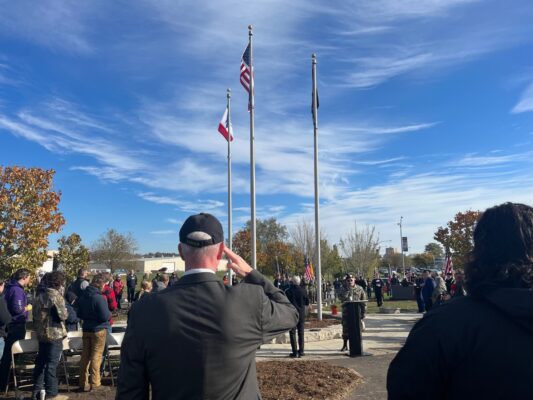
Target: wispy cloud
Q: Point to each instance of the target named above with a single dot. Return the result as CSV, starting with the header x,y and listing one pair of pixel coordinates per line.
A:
x,y
526,101
163,232
54,23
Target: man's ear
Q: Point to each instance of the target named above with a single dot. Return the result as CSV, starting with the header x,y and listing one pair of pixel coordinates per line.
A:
x,y
180,251
220,251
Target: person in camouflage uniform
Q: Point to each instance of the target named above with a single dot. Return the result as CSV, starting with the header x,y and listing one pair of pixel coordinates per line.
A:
x,y
350,291
49,315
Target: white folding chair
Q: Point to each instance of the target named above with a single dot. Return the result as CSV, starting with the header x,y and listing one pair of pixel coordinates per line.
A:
x,y
114,342
25,346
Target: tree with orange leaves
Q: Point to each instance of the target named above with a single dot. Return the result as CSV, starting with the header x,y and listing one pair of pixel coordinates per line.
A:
x,y
457,237
28,215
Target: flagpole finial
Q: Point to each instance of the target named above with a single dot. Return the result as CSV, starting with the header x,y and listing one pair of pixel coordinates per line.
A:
x,y
250,27
229,92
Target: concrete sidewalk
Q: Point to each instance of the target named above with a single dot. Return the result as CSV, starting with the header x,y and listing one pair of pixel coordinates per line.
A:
x,y
384,335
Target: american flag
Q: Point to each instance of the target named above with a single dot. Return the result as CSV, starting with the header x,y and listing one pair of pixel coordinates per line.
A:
x,y
449,265
309,275
246,69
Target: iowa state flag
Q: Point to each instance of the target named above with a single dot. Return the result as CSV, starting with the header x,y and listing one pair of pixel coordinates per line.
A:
x,y
223,126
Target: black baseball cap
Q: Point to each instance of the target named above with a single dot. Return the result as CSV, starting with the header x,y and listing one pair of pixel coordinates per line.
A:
x,y
205,223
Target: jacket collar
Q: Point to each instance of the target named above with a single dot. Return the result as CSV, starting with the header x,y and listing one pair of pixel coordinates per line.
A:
x,y
198,278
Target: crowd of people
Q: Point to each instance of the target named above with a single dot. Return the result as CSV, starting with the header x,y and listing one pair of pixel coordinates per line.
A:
x,y
478,325
86,304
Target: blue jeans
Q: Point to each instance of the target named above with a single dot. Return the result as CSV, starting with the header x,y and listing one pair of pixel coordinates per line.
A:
x,y
2,345
420,303
44,374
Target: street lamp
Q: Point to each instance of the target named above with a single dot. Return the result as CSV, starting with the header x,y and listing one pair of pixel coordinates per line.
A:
x,y
401,244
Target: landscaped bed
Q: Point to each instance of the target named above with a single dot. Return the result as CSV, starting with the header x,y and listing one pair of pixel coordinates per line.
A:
x,y
305,380
287,380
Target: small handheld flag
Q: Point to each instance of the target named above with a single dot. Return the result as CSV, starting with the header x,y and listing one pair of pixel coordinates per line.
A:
x,y
223,126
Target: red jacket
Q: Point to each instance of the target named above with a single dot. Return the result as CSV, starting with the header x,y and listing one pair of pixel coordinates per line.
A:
x,y
118,287
111,301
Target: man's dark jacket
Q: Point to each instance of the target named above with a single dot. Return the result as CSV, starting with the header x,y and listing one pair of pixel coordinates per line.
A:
x,y
93,310
76,287
5,317
299,299
131,281
469,348
202,344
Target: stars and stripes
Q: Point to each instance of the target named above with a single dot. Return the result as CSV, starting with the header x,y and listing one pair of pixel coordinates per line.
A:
x,y
246,70
309,273
448,269
223,126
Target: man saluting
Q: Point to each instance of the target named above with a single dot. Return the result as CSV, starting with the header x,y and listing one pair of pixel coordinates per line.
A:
x,y
203,343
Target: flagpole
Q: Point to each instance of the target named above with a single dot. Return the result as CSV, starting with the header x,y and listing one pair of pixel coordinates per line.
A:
x,y
230,234
317,202
252,153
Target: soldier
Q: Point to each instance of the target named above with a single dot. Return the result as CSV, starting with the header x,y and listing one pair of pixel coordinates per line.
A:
x,y
350,291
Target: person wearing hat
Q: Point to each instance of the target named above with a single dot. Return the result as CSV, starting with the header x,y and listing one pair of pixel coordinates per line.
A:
x,y
351,292
299,299
203,343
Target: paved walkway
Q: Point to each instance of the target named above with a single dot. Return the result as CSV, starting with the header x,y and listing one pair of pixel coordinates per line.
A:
x,y
383,337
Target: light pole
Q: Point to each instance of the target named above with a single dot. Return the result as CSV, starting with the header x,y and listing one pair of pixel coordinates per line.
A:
x,y
401,244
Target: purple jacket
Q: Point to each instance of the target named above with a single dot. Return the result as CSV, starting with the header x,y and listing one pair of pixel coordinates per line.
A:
x,y
16,301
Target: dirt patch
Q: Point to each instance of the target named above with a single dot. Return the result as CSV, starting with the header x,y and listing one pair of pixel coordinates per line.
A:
x,y
313,323
305,380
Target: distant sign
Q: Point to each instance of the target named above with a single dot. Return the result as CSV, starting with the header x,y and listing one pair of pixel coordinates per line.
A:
x,y
405,247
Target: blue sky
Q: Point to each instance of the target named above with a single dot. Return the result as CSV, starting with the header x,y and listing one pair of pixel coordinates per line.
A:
x,y
426,109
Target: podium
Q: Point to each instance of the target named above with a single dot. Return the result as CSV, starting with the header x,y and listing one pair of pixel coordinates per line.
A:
x,y
351,310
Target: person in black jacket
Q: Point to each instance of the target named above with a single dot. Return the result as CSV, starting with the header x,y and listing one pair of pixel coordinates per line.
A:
x,y
80,284
5,319
298,298
131,283
93,310
198,339
478,346
72,321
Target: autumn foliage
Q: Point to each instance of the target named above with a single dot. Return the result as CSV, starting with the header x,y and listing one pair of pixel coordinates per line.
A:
x,y
458,236
28,215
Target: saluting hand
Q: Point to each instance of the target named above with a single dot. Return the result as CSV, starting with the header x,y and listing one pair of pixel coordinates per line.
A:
x,y
237,263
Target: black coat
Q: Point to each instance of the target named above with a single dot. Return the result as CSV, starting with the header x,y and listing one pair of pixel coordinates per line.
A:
x,y
71,323
202,342
299,299
5,317
131,281
470,348
93,310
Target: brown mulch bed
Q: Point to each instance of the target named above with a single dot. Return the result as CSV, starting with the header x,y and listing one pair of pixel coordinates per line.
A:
x,y
287,380
313,323
305,380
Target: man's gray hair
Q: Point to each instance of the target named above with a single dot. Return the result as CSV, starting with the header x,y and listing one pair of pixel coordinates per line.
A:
x,y
191,252
296,280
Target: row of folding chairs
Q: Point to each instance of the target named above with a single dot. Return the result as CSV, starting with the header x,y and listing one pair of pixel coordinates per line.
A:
x,y
72,345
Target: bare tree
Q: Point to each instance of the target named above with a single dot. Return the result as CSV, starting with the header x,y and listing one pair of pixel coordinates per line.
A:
x,y
360,249
303,237
114,249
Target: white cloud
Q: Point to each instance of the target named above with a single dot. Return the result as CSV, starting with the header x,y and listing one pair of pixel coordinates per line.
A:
x,y
526,101
163,232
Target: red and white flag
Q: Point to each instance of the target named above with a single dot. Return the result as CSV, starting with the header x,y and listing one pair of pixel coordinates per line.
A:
x,y
223,126
449,266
